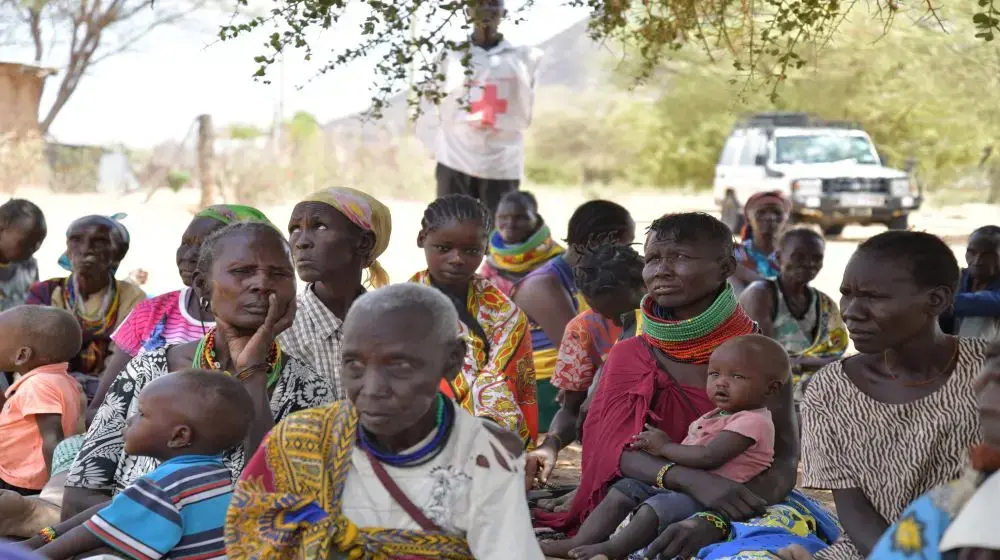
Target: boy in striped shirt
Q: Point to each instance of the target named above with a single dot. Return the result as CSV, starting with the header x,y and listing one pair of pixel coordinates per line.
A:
x,y
185,420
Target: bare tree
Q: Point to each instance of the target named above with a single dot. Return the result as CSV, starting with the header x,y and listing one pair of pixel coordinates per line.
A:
x,y
76,35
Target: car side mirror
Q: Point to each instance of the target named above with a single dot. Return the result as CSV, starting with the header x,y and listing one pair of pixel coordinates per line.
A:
x,y
760,160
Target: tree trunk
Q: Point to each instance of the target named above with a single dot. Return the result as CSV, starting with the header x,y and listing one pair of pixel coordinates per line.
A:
x,y
206,157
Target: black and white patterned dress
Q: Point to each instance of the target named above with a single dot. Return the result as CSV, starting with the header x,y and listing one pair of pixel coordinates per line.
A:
x,y
102,463
893,453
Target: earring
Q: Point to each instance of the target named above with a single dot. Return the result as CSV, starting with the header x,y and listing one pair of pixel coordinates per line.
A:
x,y
204,303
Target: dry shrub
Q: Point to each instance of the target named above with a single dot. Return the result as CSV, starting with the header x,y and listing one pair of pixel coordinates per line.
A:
x,y
22,162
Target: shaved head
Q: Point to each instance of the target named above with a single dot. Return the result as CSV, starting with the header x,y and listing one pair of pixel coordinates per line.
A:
x,y
53,334
410,298
760,353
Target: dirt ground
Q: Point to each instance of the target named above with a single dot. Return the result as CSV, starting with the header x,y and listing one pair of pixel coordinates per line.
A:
x,y
156,227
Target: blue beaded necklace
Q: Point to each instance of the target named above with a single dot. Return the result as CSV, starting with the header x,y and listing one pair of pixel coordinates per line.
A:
x,y
445,422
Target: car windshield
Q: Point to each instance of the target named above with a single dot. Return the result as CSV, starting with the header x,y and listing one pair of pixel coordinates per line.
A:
x,y
824,148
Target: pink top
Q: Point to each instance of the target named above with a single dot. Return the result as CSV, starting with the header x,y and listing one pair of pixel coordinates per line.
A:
x,y
158,322
44,390
754,424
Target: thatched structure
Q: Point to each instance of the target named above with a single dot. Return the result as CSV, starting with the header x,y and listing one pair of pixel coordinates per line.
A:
x,y
20,95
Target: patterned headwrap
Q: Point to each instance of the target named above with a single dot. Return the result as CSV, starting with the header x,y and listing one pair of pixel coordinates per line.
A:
x,y
757,200
368,214
231,213
119,237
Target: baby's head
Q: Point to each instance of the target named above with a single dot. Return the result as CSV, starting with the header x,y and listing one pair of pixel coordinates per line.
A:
x,y
33,335
190,412
745,371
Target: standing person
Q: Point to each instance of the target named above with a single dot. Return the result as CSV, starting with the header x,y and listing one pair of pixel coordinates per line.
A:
x,y
551,300
766,214
336,235
395,471
95,246
905,413
497,380
174,317
976,312
480,140
22,231
44,405
804,320
521,243
246,274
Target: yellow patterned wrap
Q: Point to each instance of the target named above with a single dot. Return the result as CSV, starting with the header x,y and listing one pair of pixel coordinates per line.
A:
x,y
500,385
290,509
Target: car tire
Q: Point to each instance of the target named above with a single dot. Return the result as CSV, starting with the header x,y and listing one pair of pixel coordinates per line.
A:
x,y
899,222
833,231
732,214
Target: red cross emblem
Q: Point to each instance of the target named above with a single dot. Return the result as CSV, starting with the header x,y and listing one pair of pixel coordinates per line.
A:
x,y
490,105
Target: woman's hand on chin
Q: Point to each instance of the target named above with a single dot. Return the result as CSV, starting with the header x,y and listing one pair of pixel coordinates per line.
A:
x,y
253,351
729,498
684,539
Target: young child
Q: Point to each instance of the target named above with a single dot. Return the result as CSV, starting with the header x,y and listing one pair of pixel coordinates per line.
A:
x,y
44,405
736,441
186,420
22,230
497,380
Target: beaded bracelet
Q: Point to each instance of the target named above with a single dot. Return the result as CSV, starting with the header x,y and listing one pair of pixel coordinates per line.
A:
x,y
658,482
717,520
251,369
48,534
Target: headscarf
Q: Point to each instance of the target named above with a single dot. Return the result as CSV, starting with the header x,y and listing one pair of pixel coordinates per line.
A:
x,y
119,237
231,213
757,200
367,213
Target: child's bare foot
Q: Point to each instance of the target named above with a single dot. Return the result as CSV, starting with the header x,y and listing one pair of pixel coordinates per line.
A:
x,y
558,505
559,549
599,551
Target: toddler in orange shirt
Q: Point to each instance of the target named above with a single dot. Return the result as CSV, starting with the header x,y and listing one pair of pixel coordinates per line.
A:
x,y
43,406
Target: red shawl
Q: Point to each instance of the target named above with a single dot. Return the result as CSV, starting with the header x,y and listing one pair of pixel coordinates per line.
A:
x,y
622,405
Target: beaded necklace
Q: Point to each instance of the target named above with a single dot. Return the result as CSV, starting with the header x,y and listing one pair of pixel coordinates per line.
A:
x,y
526,256
204,358
693,340
445,421
107,314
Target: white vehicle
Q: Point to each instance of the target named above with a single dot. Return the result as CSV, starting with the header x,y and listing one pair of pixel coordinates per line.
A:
x,y
830,171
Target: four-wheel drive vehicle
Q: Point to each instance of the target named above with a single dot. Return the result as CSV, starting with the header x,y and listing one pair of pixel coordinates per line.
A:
x,y
830,171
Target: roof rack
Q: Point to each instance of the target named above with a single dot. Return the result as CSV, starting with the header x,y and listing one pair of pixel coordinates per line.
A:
x,y
797,120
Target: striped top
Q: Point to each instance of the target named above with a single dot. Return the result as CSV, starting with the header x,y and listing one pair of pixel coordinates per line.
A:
x,y
893,453
176,511
158,322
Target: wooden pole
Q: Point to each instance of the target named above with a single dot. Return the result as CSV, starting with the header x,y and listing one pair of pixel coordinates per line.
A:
x,y
206,157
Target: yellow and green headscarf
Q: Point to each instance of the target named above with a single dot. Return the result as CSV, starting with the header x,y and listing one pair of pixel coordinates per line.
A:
x,y
232,213
369,214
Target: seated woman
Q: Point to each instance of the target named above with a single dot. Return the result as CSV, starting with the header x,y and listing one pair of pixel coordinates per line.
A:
x,y
905,411
658,378
397,471
521,243
497,380
550,299
337,235
245,272
174,317
976,312
766,214
609,277
22,231
804,320
95,246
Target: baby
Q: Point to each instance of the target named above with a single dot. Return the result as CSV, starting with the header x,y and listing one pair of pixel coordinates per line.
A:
x,y
185,420
43,406
735,440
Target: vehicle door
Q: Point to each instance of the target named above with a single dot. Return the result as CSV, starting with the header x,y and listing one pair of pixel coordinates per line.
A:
x,y
726,169
751,175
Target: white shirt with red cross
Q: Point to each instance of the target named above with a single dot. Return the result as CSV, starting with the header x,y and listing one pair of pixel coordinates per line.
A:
x,y
484,116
